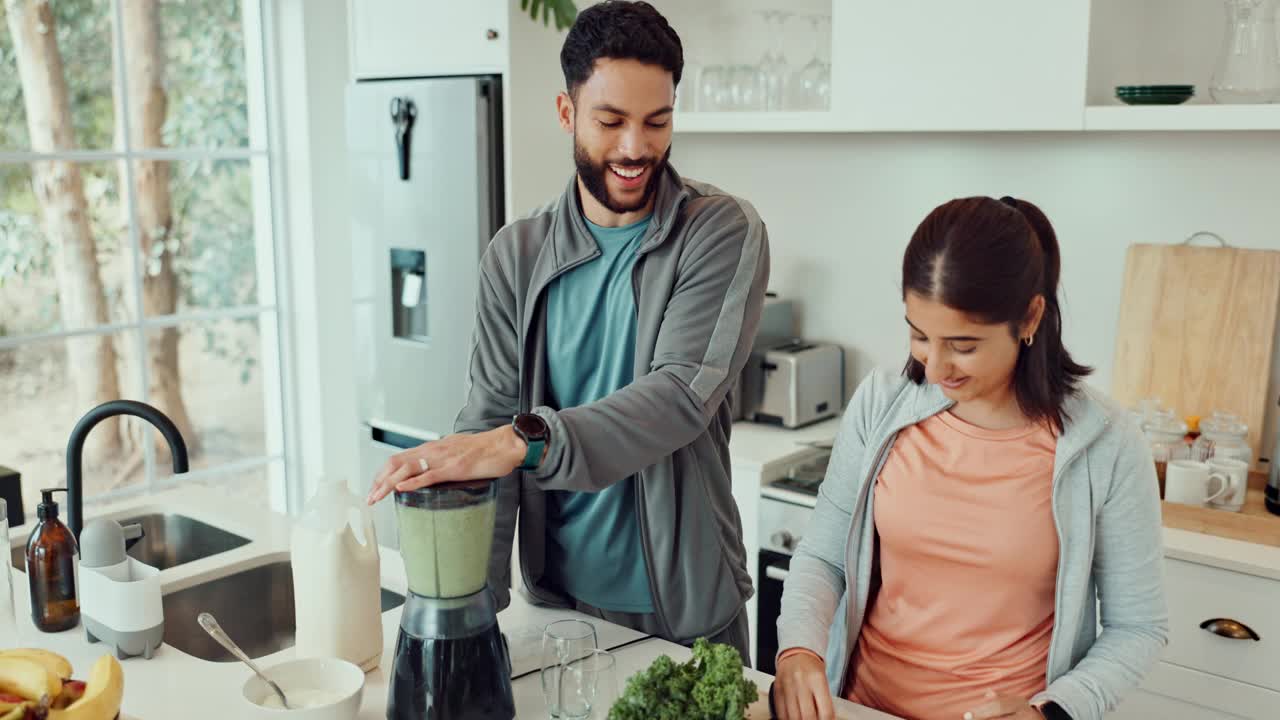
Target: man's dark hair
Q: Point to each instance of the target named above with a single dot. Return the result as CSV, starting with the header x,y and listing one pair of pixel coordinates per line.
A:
x,y
620,30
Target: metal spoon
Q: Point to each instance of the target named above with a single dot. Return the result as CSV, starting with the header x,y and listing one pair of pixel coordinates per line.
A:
x,y
216,632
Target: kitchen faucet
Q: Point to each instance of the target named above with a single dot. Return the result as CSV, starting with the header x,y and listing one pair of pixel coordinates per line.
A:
x,y
75,449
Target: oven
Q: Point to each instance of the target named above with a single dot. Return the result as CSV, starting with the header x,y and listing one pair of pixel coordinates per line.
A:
x,y
773,572
785,508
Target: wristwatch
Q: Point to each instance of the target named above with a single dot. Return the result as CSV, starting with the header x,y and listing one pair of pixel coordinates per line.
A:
x,y
534,431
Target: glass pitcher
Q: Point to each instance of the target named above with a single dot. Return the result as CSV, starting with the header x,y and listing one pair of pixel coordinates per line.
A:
x,y
1248,68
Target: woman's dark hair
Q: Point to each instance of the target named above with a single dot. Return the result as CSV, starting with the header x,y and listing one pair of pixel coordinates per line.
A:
x,y
989,259
623,31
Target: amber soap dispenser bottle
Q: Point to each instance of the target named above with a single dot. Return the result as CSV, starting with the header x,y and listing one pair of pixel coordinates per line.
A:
x,y
51,568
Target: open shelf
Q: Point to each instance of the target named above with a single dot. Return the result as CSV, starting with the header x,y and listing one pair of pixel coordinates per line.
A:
x,y
1182,117
758,122
1162,42
753,65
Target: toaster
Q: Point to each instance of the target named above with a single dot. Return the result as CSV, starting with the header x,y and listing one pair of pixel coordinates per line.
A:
x,y
803,383
777,326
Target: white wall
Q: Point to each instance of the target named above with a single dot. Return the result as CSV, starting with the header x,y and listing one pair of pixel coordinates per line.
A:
x,y
310,98
841,208
539,153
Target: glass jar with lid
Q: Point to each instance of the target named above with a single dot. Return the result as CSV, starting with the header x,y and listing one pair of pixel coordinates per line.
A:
x,y
1222,435
1166,435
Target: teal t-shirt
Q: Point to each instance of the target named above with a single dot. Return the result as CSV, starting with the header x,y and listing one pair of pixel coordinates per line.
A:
x,y
593,539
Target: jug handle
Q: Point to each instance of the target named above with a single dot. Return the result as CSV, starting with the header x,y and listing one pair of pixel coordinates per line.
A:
x,y
370,533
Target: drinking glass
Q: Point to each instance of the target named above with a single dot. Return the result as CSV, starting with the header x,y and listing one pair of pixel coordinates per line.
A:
x,y
596,678
566,644
812,84
773,66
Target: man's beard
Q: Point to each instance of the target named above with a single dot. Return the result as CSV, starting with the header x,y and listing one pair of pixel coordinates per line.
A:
x,y
593,177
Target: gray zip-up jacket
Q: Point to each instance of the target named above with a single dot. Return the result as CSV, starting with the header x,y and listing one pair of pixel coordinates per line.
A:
x,y
699,283
1106,507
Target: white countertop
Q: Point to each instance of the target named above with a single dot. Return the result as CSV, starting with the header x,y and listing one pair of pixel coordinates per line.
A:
x,y
1237,555
756,447
176,685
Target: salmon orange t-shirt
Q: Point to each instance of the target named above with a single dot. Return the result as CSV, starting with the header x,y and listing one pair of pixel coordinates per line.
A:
x,y
968,565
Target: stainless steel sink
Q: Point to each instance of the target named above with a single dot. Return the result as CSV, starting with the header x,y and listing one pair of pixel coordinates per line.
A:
x,y
254,606
169,540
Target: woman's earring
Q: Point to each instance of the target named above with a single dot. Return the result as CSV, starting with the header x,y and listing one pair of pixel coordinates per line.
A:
x,y
1029,340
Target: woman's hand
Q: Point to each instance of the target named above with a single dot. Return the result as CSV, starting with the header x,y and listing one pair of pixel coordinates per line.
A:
x,y
1005,707
800,689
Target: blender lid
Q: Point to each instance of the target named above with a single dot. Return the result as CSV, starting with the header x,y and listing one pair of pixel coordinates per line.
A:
x,y
452,494
464,485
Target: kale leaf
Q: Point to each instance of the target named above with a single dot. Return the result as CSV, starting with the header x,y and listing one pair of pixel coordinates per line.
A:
x,y
708,687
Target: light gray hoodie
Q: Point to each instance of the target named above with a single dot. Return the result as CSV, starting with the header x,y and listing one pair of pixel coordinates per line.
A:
x,y
1106,507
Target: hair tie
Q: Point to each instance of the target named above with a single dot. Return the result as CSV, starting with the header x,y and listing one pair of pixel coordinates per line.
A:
x,y
1011,202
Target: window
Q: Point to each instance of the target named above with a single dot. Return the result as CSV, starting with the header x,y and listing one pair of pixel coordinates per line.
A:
x,y
137,258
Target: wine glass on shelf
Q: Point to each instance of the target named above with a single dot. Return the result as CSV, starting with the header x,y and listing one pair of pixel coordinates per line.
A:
x,y
774,70
812,83
713,84
747,88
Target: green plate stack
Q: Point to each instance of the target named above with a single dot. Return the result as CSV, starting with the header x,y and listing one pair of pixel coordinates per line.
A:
x,y
1155,94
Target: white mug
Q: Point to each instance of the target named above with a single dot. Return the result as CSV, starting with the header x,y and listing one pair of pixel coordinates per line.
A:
x,y
1235,474
1188,481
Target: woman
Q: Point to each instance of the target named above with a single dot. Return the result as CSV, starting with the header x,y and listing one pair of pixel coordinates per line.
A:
x,y
977,511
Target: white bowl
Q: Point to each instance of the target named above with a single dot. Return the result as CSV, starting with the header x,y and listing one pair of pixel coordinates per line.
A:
x,y
342,679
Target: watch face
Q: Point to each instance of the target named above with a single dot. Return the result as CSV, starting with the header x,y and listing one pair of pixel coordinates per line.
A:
x,y
531,426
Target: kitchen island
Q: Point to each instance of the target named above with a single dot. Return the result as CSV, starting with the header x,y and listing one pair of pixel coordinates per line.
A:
x,y
174,684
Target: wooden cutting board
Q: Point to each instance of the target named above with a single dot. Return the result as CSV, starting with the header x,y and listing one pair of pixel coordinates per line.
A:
x,y
1197,326
845,710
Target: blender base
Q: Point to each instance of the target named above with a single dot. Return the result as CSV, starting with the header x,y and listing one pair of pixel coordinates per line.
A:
x,y
465,678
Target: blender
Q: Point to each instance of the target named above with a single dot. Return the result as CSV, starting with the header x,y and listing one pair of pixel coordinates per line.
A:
x,y
451,660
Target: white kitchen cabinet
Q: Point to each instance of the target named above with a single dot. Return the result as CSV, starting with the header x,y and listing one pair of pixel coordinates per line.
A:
x,y
917,65
416,38
1198,593
990,65
1204,676
1177,693
1144,706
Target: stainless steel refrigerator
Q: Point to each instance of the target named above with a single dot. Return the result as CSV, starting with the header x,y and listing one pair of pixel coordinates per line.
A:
x,y
426,163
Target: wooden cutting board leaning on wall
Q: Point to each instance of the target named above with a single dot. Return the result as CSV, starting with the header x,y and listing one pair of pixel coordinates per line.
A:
x,y
1197,326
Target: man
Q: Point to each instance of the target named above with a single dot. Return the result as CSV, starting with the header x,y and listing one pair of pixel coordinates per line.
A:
x,y
611,324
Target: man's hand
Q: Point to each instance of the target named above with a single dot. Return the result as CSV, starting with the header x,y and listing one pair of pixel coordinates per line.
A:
x,y
1004,707
491,454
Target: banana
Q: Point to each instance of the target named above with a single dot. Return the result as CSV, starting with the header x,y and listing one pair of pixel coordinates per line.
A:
x,y
17,712
52,661
28,679
102,693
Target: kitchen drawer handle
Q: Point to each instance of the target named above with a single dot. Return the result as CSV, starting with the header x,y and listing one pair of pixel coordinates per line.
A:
x,y
1231,629
773,572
